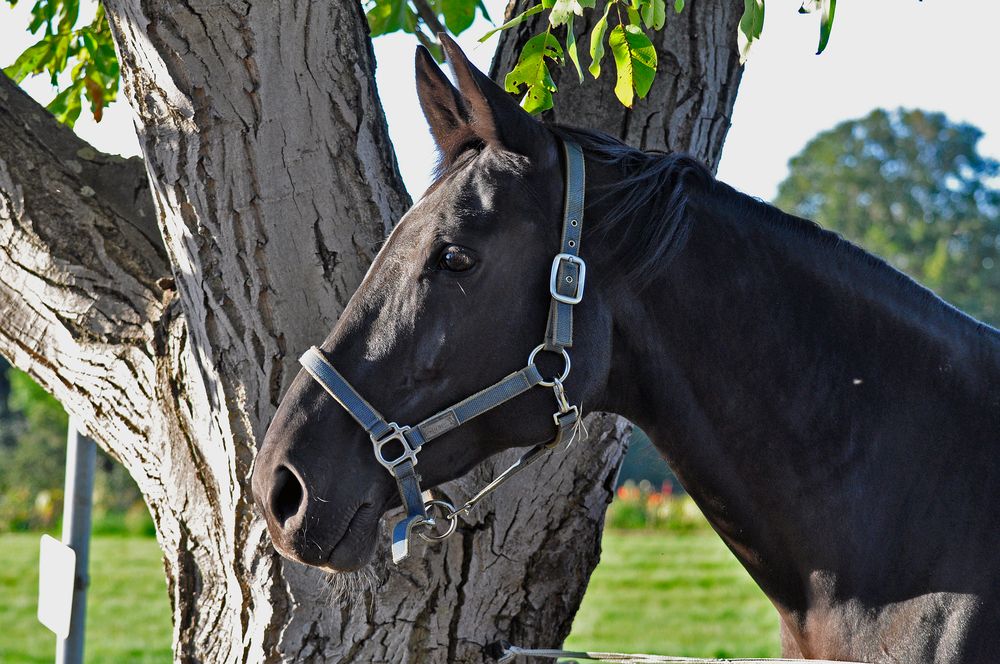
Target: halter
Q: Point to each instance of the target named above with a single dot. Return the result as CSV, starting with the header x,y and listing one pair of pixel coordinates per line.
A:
x,y
396,446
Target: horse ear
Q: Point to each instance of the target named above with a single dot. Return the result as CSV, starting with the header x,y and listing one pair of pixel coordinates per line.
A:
x,y
493,115
440,101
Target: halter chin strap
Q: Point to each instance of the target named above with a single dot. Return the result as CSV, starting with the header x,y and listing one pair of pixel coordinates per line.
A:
x,y
396,446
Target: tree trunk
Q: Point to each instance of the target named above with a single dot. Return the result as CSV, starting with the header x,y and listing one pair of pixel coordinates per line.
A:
x,y
690,105
171,323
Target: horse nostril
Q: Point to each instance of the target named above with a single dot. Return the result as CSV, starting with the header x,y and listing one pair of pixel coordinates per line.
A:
x,y
286,496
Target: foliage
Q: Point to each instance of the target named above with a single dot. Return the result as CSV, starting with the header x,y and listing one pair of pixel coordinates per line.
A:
x,y
88,54
634,54
85,51
641,506
413,16
643,462
532,72
912,187
32,470
33,454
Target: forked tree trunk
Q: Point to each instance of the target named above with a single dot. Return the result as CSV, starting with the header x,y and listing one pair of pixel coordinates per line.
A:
x,y
171,323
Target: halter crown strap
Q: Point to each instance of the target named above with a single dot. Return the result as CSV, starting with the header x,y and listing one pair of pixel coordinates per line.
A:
x,y
569,273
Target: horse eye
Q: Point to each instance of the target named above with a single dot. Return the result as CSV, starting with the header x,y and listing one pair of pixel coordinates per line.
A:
x,y
455,259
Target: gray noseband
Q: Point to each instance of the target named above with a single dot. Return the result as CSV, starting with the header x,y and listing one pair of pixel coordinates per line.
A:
x,y
396,446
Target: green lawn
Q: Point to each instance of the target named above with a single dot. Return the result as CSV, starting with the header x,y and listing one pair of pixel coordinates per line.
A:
x,y
680,594
660,592
128,612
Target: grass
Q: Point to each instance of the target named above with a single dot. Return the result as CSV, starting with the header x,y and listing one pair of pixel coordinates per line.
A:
x,y
659,592
128,612
671,593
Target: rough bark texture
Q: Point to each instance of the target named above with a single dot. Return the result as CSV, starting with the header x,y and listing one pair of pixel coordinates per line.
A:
x,y
272,182
80,255
689,107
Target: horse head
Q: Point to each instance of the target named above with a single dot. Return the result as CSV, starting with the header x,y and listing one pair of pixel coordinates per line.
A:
x,y
456,299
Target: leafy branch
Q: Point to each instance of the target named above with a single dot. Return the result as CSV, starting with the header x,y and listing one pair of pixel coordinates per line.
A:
x,y
634,54
87,52
412,16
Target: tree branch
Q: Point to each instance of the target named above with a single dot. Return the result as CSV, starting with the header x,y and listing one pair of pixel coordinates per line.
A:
x,y
79,258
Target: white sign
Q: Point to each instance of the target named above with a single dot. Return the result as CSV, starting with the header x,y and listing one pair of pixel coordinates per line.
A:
x,y
56,580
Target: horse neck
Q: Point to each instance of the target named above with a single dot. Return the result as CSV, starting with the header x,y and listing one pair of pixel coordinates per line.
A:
x,y
768,362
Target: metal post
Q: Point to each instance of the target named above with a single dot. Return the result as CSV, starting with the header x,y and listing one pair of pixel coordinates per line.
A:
x,y
81,453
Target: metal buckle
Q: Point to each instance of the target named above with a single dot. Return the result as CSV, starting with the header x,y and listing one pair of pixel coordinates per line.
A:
x,y
398,433
554,278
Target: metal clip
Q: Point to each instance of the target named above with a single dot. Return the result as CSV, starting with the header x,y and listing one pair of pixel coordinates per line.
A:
x,y
560,392
449,514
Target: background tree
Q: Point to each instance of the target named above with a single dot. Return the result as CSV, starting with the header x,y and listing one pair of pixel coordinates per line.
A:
x,y
32,465
164,303
912,187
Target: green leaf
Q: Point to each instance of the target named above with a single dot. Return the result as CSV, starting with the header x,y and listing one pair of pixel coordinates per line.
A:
x,y
633,14
60,55
571,49
597,43
66,106
387,16
751,27
31,61
435,49
482,8
90,41
827,9
653,13
678,6
563,9
635,61
532,72
70,13
517,20
826,23
659,14
458,14
646,12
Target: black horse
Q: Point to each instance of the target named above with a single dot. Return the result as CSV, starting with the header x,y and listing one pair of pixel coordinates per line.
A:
x,y
838,424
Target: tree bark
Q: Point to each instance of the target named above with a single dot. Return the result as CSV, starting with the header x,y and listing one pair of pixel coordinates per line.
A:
x,y
688,109
171,322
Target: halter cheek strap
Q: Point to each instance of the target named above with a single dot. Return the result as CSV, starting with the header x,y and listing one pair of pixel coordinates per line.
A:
x,y
396,447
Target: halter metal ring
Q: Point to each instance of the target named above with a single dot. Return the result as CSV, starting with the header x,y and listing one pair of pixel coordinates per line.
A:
x,y
449,513
566,368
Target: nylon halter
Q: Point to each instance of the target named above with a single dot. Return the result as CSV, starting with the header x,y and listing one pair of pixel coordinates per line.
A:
x,y
396,446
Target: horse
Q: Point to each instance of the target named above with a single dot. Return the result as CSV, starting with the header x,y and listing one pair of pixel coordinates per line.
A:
x,y
837,423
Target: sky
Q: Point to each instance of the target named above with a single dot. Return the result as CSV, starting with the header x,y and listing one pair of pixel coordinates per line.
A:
x,y
938,55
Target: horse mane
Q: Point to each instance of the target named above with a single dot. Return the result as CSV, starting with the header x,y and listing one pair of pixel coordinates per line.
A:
x,y
649,216
647,221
